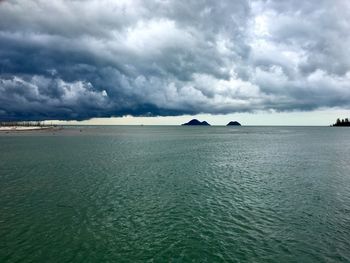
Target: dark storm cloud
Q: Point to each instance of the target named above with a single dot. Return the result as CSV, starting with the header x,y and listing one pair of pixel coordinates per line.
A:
x,y
81,59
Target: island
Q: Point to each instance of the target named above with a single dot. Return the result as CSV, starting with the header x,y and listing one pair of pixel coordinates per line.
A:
x,y
196,122
233,123
342,123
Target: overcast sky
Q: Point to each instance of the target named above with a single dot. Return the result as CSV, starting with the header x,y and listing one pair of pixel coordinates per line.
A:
x,y
82,59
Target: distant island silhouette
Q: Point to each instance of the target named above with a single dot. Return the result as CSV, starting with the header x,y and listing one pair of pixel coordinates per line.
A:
x,y
196,122
233,123
342,123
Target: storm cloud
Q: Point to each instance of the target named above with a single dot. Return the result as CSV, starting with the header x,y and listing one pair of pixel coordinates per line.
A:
x,y
78,59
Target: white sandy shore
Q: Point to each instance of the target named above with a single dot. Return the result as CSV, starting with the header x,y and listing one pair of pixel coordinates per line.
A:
x,y
23,128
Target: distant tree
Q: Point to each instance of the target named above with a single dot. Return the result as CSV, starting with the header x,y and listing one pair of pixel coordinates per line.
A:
x,y
342,122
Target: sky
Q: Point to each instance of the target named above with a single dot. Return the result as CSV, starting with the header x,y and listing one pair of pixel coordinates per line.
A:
x,y
261,62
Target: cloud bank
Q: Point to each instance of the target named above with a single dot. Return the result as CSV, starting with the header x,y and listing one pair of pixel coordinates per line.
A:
x,y
78,59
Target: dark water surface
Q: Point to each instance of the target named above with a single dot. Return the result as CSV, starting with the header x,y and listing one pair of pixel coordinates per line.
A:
x,y
176,194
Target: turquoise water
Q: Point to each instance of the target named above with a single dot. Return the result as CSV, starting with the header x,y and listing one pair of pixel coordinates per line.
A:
x,y
176,194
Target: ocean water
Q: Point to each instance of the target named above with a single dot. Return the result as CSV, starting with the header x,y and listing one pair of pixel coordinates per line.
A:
x,y
175,194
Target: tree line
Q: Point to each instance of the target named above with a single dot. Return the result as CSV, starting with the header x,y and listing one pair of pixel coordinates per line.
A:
x,y
342,122
21,123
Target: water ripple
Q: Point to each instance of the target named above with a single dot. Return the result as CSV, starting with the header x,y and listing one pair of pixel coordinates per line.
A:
x,y
170,194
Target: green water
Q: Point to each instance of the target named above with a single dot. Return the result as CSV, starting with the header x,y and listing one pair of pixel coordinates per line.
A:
x,y
176,194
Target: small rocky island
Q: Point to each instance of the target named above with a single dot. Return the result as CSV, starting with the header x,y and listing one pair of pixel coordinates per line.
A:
x,y
196,122
342,123
233,123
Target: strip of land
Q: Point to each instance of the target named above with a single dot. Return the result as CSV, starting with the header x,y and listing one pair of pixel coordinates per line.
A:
x,y
24,128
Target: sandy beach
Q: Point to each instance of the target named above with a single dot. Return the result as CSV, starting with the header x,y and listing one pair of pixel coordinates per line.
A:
x,y
23,128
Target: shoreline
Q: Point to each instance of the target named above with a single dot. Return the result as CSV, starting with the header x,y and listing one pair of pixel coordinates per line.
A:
x,y
23,128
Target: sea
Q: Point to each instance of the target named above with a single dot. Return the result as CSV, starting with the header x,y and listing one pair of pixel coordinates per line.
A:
x,y
175,194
